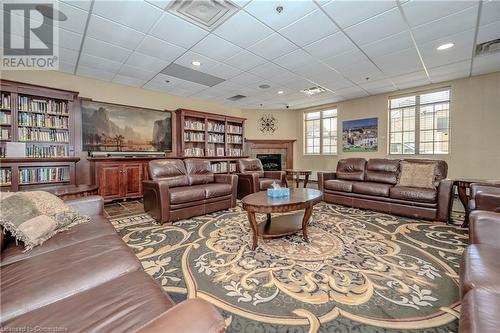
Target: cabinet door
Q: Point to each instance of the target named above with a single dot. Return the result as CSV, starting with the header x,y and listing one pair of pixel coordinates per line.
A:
x,y
110,178
132,179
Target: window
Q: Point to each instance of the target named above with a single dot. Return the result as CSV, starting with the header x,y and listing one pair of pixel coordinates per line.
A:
x,y
420,124
321,132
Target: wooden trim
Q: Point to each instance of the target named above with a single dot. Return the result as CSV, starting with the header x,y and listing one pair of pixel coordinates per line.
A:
x,y
38,159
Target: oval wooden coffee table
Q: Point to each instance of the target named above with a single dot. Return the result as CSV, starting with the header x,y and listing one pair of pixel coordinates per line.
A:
x,y
299,198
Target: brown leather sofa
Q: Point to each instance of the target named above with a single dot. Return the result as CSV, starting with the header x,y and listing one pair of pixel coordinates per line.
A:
x,y
370,184
488,198
181,189
87,280
252,177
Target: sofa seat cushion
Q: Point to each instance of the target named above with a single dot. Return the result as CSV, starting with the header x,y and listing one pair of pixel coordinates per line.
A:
x,y
480,268
187,194
414,194
370,188
479,312
98,226
123,304
338,185
217,190
266,183
35,282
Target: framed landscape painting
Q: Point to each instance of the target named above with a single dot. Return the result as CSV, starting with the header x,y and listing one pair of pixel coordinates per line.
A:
x,y
360,135
119,128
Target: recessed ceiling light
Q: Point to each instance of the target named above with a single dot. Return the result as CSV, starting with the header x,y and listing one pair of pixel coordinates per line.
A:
x,y
445,46
280,92
264,86
196,63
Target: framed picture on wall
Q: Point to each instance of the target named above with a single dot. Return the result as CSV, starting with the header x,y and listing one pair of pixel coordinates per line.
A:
x,y
360,135
220,151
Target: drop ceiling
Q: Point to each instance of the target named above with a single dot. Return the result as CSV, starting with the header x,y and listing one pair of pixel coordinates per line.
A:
x,y
351,48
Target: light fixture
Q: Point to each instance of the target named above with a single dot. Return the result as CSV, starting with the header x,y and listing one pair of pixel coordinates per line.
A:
x,y
196,63
264,86
280,92
445,46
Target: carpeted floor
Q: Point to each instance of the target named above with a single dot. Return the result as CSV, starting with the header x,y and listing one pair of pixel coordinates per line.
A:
x,y
362,271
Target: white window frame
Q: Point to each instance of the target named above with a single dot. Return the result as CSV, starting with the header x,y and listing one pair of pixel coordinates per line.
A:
x,y
322,117
417,107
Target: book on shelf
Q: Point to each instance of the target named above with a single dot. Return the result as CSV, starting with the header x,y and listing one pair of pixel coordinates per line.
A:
x,y
232,167
42,120
5,176
48,151
4,118
5,133
234,152
219,167
5,101
215,138
231,138
233,129
210,152
194,136
194,125
47,135
29,104
34,175
215,127
194,152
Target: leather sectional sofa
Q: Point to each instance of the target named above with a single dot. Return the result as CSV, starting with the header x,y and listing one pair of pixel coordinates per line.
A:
x,y
252,177
181,189
370,184
87,280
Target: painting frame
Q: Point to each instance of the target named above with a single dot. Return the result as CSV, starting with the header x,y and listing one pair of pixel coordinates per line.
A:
x,y
360,135
117,128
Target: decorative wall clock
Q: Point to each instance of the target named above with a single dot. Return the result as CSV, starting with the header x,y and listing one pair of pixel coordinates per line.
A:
x,y
268,124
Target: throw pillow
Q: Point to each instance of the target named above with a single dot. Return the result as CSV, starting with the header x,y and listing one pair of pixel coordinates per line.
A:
x,y
34,217
417,174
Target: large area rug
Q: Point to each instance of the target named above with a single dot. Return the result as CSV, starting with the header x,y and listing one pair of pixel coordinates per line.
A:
x,y
361,272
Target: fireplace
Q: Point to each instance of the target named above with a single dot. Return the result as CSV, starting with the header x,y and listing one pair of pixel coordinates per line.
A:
x,y
270,162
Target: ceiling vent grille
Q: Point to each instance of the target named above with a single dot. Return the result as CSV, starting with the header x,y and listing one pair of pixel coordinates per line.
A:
x,y
489,47
208,14
236,98
313,91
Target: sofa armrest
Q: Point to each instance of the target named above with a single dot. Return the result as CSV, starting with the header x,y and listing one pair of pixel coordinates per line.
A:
x,y
157,199
91,205
190,316
233,181
324,176
489,223
489,201
281,175
248,183
444,199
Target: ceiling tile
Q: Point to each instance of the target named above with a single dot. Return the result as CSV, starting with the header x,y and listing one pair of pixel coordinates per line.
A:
x,y
272,47
67,55
187,58
391,44
410,80
330,46
66,67
160,49
401,62
488,32
246,79
94,73
99,63
216,48
347,13
335,82
70,40
310,28
420,12
175,30
360,71
450,72
146,62
449,25
378,87
137,73
346,59
461,51
243,30
299,84
138,15
114,33
85,5
77,18
267,70
490,12
173,86
245,60
378,27
129,81
266,11
222,70
162,4
294,60
486,64
105,50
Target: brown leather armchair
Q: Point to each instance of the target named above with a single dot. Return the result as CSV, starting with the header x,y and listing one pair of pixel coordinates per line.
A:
x,y
182,189
252,177
484,197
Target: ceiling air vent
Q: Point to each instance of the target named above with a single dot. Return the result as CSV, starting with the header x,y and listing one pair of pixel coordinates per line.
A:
x,y
489,47
313,91
236,98
208,14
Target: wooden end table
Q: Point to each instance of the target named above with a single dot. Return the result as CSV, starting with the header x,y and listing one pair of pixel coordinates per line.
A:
x,y
299,198
463,186
68,192
297,173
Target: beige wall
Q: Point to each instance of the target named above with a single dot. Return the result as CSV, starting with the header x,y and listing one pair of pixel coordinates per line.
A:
x,y
475,127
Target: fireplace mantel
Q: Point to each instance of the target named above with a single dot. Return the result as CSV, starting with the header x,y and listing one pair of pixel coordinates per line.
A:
x,y
253,146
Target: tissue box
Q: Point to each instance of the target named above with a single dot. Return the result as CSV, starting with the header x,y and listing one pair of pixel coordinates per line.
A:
x,y
279,192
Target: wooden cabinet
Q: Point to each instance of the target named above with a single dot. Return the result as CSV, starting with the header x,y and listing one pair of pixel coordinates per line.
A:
x,y
132,179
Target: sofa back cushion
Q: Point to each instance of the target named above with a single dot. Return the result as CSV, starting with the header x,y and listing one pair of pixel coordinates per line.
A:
x,y
171,171
251,165
199,172
382,170
440,171
420,175
351,169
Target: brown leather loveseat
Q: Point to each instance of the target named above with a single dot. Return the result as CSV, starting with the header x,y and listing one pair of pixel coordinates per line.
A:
x,y
252,177
86,279
371,184
181,189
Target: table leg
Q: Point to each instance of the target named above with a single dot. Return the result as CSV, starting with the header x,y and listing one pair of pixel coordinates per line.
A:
x,y
305,219
462,195
306,179
253,223
298,180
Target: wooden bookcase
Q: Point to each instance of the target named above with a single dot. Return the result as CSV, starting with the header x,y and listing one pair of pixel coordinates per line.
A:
x,y
43,119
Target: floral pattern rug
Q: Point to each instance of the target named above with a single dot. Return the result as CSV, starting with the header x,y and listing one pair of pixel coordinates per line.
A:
x,y
362,271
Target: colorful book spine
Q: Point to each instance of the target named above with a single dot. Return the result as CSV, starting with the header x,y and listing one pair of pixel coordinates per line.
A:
x,y
43,175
